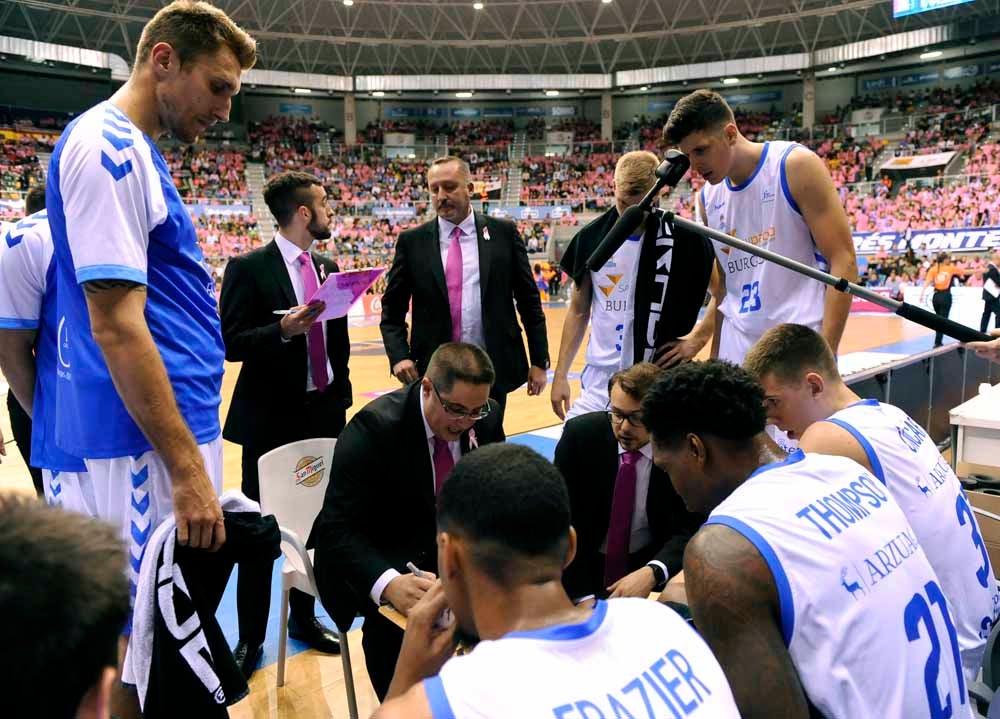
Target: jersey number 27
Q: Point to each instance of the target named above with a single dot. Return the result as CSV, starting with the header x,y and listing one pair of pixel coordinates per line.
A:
x,y
918,612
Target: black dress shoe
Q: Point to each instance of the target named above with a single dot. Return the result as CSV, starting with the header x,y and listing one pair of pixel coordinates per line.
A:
x,y
248,657
312,632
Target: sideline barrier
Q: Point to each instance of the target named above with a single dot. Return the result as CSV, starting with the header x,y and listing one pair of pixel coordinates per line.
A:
x,y
926,385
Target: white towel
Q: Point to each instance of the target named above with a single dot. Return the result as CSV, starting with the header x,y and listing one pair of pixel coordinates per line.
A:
x,y
138,658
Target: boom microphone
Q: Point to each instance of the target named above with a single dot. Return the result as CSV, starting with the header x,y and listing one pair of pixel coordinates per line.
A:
x,y
669,172
626,225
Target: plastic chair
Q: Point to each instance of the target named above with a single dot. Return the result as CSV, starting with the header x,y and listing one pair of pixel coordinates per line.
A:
x,y
984,692
293,481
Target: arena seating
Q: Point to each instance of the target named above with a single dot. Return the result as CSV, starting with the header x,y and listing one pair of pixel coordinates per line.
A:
x,y
208,174
361,182
579,180
19,168
972,204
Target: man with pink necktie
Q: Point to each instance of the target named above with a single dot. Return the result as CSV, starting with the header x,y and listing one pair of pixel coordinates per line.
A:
x,y
631,526
375,536
464,273
294,383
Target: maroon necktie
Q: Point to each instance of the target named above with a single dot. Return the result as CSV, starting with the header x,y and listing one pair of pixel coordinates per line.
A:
x,y
314,340
444,462
620,526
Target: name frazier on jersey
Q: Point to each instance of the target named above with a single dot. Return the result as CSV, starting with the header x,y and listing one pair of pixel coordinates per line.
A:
x,y
681,698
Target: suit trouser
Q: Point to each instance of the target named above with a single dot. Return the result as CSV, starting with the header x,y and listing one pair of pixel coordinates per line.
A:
x,y
990,308
942,307
381,641
253,582
20,426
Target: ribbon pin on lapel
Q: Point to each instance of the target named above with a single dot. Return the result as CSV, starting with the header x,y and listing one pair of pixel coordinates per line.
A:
x,y
322,273
486,234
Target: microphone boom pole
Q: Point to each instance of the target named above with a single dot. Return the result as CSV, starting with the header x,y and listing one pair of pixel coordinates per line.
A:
x,y
907,311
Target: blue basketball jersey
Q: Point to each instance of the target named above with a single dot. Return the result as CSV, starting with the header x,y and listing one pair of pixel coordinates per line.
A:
x,y
28,301
116,215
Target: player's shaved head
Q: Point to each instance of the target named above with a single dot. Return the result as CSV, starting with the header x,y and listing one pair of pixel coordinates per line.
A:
x,y
511,507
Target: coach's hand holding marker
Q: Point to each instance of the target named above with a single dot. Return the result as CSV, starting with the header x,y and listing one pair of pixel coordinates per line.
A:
x,y
427,643
404,591
298,320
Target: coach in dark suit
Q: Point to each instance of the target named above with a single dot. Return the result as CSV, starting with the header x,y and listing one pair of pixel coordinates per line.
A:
x,y
991,293
294,383
632,527
464,272
379,510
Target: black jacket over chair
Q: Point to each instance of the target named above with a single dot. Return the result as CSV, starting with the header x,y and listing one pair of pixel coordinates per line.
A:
x,y
271,389
587,457
505,279
379,510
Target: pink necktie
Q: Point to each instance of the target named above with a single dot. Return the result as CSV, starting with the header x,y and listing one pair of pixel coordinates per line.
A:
x,y
620,526
453,278
443,463
314,340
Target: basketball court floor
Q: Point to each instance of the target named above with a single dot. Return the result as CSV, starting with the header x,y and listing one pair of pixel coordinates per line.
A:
x,y
314,686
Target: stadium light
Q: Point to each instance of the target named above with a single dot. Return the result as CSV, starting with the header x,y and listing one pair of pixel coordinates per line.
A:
x,y
605,2
348,3
302,91
551,93
930,55
644,88
463,95
378,93
730,81
477,6
831,69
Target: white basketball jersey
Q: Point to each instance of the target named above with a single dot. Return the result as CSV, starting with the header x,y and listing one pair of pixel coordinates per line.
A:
x,y
611,304
631,658
866,624
761,294
924,486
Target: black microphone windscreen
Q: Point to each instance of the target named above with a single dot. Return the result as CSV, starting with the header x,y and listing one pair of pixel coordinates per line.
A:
x,y
626,225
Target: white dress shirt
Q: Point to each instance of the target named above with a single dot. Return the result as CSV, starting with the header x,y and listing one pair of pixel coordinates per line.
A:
x,y
640,535
456,453
290,254
472,311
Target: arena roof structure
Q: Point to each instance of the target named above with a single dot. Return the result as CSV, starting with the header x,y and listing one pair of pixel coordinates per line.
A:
x,y
408,37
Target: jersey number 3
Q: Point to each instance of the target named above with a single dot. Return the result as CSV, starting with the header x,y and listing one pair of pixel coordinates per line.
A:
x,y
750,298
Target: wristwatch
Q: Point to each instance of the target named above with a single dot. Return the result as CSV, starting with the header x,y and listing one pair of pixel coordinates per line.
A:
x,y
658,574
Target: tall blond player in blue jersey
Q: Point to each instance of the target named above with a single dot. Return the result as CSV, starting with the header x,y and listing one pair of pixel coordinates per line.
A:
x,y
141,352
777,195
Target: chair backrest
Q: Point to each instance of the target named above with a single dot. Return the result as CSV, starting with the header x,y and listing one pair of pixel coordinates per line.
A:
x,y
293,480
991,659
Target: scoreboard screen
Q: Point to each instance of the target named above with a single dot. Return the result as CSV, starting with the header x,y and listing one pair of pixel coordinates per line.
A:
x,y
902,8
